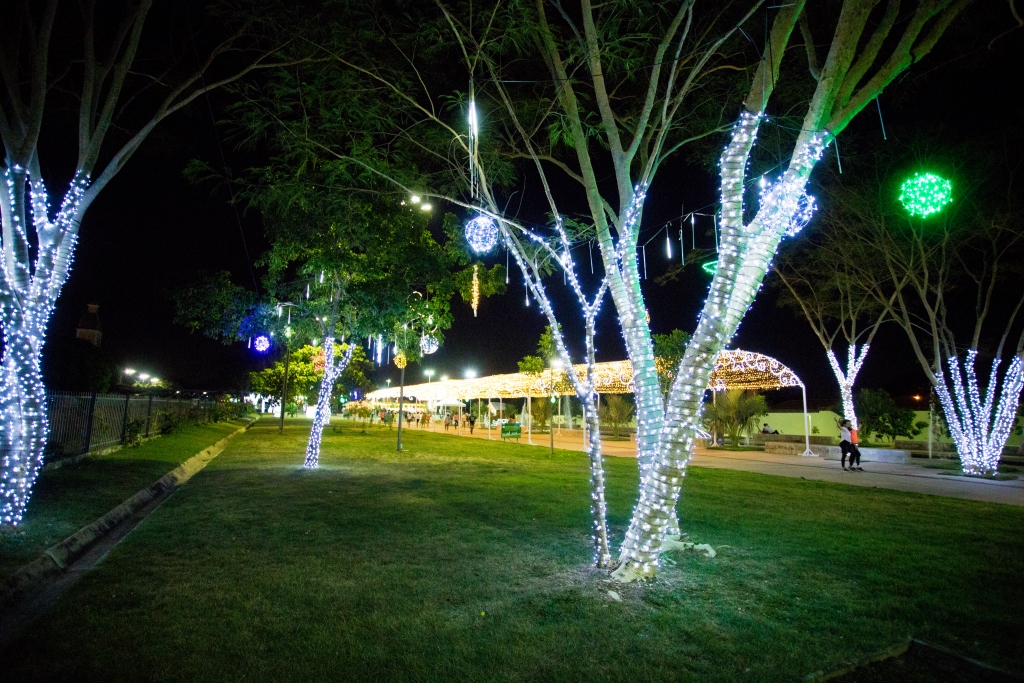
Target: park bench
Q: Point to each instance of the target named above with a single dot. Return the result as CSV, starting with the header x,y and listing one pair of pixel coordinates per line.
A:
x,y
511,430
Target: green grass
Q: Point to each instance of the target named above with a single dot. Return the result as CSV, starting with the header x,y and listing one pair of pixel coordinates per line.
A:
x,y
463,560
66,499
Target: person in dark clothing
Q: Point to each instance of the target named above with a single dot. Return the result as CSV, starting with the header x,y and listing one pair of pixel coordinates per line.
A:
x,y
471,420
848,446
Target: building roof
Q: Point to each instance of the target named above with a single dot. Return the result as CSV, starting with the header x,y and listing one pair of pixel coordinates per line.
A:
x,y
734,369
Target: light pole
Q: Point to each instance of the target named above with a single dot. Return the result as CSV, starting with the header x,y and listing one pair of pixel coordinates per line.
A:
x,y
469,374
556,364
287,358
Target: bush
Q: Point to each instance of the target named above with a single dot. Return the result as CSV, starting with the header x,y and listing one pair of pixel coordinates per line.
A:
x,y
134,430
878,414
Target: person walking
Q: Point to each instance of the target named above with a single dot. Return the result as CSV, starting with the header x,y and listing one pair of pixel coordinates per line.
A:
x,y
848,446
447,421
472,422
455,422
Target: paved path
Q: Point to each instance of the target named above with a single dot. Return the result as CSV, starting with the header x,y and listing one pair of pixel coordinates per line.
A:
x,y
914,478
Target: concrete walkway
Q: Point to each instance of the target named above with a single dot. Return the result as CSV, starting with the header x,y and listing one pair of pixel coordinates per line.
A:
x,y
914,478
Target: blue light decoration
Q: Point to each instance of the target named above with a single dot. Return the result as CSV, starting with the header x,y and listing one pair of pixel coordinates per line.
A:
x,y
482,234
262,343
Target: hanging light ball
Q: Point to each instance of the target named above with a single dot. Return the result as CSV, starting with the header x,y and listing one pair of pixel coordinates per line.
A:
x,y
262,343
482,234
429,344
925,194
400,360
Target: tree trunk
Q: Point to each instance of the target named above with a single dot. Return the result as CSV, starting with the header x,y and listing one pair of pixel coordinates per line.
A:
x,y
25,425
854,361
599,507
744,256
323,401
28,292
980,426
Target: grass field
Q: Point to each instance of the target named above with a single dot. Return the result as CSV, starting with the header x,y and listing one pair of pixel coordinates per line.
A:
x,y
463,560
68,498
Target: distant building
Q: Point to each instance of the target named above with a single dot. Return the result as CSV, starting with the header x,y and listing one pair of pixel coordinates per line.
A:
x,y
89,327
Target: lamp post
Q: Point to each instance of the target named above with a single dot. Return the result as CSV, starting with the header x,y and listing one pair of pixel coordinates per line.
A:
x,y
401,362
287,358
556,364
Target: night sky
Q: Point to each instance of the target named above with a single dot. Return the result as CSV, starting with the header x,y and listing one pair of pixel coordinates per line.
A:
x,y
151,231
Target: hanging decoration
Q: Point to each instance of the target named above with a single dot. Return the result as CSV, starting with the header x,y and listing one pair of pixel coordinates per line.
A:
x,y
710,267
400,360
482,234
429,344
925,194
262,343
476,289
789,210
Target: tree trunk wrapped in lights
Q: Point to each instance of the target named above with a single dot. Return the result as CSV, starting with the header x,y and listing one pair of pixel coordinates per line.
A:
x,y
35,270
559,132
27,299
980,428
746,251
332,371
854,361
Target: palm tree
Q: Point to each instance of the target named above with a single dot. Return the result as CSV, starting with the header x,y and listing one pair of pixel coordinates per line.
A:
x,y
616,410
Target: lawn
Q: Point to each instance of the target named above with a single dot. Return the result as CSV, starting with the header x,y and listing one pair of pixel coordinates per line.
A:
x,y
464,560
66,499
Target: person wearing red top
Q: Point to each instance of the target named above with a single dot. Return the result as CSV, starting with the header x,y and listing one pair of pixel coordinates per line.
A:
x,y
848,446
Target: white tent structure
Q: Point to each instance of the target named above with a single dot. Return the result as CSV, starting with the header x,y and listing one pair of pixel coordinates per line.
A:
x,y
734,369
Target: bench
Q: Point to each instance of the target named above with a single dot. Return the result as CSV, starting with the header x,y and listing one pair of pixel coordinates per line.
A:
x,y
511,430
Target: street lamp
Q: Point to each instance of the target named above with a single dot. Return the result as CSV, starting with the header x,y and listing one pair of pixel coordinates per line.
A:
x,y
444,378
470,374
429,374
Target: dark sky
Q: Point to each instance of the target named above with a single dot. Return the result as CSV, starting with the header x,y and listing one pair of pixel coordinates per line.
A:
x,y
151,230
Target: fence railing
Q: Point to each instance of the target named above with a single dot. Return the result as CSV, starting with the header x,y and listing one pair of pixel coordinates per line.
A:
x,y
81,423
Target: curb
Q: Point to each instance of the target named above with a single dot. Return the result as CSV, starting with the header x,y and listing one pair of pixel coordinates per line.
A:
x,y
55,559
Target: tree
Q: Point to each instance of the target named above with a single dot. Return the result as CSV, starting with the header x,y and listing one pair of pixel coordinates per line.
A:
x,y
817,281
116,105
617,411
305,372
668,353
737,411
541,75
954,284
852,75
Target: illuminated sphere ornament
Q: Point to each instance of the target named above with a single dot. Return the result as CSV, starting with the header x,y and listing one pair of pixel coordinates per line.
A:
x,y
482,234
400,360
925,194
262,343
710,267
429,344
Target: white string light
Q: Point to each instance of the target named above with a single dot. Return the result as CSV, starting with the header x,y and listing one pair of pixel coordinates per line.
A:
x,y
979,427
482,234
27,299
332,371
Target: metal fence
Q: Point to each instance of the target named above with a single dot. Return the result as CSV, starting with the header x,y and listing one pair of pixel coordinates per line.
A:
x,y
80,423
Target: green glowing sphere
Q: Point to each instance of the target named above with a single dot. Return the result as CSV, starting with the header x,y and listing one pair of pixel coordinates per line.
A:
x,y
710,267
925,194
